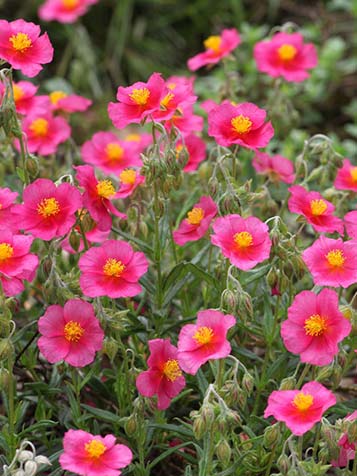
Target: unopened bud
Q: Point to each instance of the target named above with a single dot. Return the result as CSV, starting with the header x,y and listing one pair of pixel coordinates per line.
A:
x,y
4,379
40,459
30,468
213,186
271,436
347,312
24,455
229,300
208,416
272,277
74,240
324,373
352,431
87,223
19,472
6,348
283,464
131,425
205,171
198,428
32,166
110,348
223,452
248,383
288,383
336,375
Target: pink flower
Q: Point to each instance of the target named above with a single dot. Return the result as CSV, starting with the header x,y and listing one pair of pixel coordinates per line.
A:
x,y
332,262
175,96
129,180
48,211
113,269
316,210
244,241
24,96
110,154
286,55
348,448
314,327
16,262
137,102
97,197
277,167
61,101
346,178
7,219
93,455
44,132
185,120
71,333
139,141
204,341
195,147
164,377
242,124
64,11
351,224
208,105
217,47
197,222
300,409
22,46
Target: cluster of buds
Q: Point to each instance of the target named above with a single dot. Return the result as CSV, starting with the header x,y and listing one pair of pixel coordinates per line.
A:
x,y
26,462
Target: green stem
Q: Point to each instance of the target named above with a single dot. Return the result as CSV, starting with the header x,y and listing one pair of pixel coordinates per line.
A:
x,y
300,447
11,407
23,159
270,461
85,241
157,247
317,440
303,375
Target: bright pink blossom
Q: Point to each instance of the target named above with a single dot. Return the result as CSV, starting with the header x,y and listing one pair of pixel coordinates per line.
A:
x,y
185,121
286,55
243,124
7,219
197,222
93,455
174,97
346,178
278,168
206,340
64,11
347,447
314,327
112,269
208,105
217,47
351,224
244,241
195,148
22,46
300,409
139,141
48,211
316,210
164,377
61,101
332,262
24,96
130,179
71,333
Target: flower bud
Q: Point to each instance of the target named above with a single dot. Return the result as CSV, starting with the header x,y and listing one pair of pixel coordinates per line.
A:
x,y
32,166
347,312
87,222
208,416
30,468
223,452
352,431
131,425
198,428
336,375
4,379
324,373
288,383
19,472
271,435
74,240
110,348
229,300
6,348
24,455
213,186
205,171
40,459
283,464
143,229
248,383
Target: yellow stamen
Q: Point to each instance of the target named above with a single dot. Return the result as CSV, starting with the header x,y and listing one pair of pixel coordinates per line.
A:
x,y
21,42
315,325
39,127
114,151
287,52
48,207
243,239
213,43
171,370
113,267
171,86
128,176
303,401
18,92
318,207
203,335
195,216
166,101
73,331
241,124
133,138
95,449
353,172
70,4
56,96
335,258
6,251
105,188
140,96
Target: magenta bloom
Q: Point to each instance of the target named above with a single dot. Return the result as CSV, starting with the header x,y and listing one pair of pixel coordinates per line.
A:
x,y
7,219
97,197
16,262
348,448
110,154
197,222
93,455
300,409
137,102
286,55
350,223
196,150
316,210
217,47
185,120
61,101
24,96
71,333
174,96
244,241
164,377
48,211
346,178
314,327
242,124
64,11
206,340
129,180
22,46
113,269
278,168
332,262
139,141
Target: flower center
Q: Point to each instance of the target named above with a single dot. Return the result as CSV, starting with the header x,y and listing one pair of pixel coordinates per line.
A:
x,y
95,449
113,267
48,207
315,325
166,101
353,172
56,96
171,370
105,188
128,176
195,216
335,258
114,152
303,401
140,96
243,239
18,92
73,331
287,52
70,4
213,43
133,137
241,124
6,251
318,207
204,335
39,127
21,42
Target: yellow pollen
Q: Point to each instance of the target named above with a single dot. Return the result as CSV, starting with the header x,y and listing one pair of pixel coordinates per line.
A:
x,y
171,370
48,207
213,43
56,96
21,42
114,151
203,335
287,52
243,239
133,138
171,86
335,258
315,325
6,251
73,331
353,172
128,176
70,4
179,148
166,101
105,189
303,401
318,207
195,216
113,267
39,127
18,92
241,124
140,96
95,449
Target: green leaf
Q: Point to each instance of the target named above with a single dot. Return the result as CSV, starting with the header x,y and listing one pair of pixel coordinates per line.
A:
x,y
104,415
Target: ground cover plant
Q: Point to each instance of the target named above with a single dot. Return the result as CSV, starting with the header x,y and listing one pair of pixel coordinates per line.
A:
x,y
178,265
